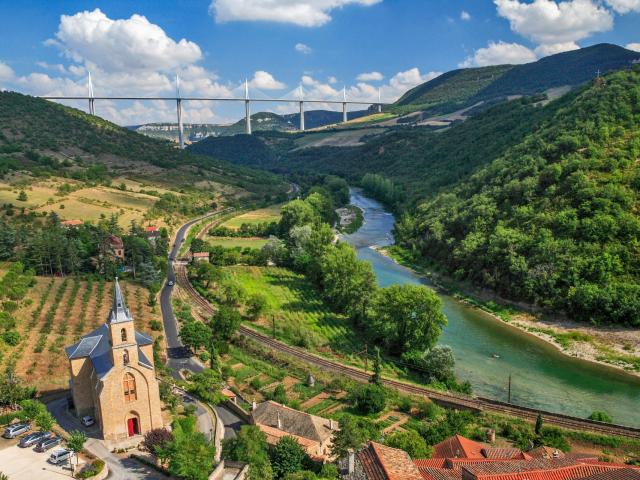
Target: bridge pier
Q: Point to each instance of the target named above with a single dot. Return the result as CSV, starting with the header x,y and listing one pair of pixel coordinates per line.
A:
x,y
180,129
344,112
92,108
302,116
247,117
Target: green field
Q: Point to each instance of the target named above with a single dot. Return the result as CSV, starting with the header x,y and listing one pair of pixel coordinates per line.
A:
x,y
301,317
231,242
269,214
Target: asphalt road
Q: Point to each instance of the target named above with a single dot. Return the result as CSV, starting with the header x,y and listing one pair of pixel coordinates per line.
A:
x,y
179,357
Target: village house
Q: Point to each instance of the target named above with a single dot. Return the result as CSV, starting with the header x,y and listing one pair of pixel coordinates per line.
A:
x,y
152,233
116,246
313,433
71,223
200,257
458,458
113,377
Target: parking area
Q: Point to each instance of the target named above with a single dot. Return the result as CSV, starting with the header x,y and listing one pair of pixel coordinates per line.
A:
x,y
25,463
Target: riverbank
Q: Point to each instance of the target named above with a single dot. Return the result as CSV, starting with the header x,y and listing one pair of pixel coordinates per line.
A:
x,y
615,347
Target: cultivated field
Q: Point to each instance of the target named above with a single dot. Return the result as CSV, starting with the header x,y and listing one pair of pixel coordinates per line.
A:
x,y
270,214
242,242
54,314
77,201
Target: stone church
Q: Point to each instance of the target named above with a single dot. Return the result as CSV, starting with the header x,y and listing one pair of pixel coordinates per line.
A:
x,y
113,377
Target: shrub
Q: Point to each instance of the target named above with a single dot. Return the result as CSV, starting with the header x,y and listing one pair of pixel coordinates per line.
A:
x,y
601,417
11,338
368,399
155,325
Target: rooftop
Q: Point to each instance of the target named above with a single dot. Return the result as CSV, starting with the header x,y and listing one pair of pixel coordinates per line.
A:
x,y
292,421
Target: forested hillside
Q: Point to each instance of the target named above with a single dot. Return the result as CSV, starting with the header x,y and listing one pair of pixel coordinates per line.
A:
x,y
553,220
45,137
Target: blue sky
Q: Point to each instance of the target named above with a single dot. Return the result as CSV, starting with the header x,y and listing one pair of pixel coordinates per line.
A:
x,y
361,45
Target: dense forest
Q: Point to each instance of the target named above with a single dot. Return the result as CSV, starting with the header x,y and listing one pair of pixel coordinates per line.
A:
x,y
554,219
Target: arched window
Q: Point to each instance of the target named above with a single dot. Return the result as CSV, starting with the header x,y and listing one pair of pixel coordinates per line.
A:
x,y
123,334
125,357
129,384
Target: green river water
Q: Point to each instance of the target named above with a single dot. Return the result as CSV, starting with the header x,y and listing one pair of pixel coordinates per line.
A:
x,y
542,377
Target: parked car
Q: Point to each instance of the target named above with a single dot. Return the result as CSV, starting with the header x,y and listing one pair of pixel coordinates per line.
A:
x,y
13,431
170,283
49,443
88,420
33,438
59,456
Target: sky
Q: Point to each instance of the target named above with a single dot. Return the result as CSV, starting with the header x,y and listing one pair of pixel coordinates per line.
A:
x,y
365,47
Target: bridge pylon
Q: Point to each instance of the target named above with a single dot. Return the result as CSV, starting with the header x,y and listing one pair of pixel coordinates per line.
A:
x,y
179,113
247,108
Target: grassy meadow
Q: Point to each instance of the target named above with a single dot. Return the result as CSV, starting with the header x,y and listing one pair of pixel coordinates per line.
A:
x,y
269,214
232,242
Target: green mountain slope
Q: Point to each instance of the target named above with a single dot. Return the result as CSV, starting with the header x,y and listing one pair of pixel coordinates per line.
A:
x,y
47,138
554,220
463,88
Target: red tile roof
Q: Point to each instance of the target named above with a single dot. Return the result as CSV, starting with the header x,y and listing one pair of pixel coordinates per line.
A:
x,y
621,474
458,447
430,462
72,223
151,228
387,463
431,473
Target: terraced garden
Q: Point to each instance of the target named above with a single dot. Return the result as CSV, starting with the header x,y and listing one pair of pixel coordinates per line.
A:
x,y
54,313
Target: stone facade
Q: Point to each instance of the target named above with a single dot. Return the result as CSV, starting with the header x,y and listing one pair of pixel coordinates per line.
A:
x,y
113,377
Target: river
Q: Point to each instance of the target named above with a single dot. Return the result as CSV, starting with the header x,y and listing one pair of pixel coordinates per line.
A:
x,y
542,377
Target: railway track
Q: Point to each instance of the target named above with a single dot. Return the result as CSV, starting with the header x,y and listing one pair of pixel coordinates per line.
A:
x,y
478,404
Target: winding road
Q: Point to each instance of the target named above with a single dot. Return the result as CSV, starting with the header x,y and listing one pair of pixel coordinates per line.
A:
x,y
179,356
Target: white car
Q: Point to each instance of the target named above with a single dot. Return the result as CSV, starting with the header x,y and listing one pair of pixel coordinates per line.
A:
x,y
88,420
59,456
170,283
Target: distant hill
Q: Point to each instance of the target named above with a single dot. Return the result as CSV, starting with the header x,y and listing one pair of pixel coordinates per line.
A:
x,y
46,138
261,121
465,87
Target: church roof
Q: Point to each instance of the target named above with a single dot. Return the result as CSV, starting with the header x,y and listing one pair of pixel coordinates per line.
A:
x,y
97,346
119,311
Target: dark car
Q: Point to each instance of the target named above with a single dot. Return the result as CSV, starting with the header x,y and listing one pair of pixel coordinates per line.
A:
x,y
47,444
33,438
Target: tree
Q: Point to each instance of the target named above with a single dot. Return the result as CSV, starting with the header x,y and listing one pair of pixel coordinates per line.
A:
x,y
296,213
346,282
190,455
368,399
250,446
411,442
287,457
207,273
354,432
257,304
407,317
437,364
225,322
44,421
156,441
195,335
76,442
376,378
11,390
206,385
539,423
22,196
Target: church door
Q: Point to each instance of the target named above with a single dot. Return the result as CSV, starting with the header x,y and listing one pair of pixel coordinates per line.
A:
x,y
132,427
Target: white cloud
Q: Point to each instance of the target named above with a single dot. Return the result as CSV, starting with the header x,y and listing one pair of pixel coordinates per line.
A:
x,y
624,6
370,77
305,13
552,49
556,26
633,46
464,15
6,72
127,44
332,80
302,48
265,81
499,53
